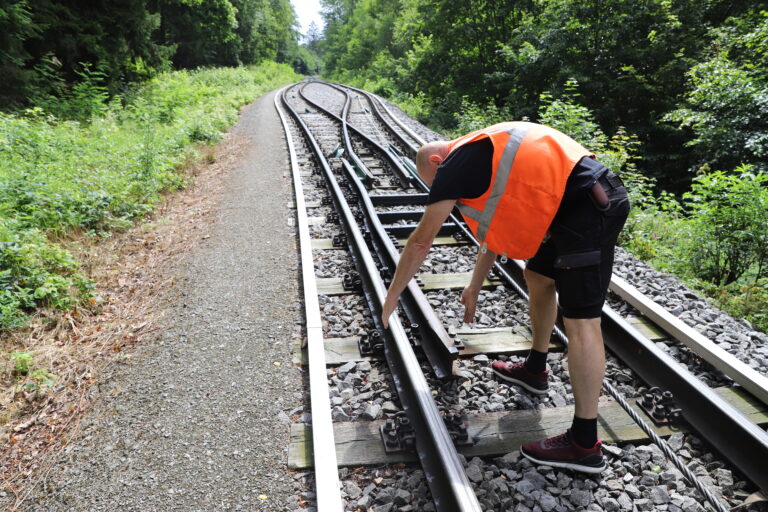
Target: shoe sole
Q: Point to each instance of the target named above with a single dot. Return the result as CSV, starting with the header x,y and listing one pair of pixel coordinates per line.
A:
x,y
567,465
521,384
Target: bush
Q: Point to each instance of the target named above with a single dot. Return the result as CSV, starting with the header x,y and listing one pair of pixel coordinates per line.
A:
x,y
35,273
728,229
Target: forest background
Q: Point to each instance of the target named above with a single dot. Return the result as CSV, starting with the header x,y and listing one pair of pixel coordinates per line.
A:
x,y
673,94
105,104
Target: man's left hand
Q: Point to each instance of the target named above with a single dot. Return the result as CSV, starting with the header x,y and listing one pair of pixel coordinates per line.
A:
x,y
469,300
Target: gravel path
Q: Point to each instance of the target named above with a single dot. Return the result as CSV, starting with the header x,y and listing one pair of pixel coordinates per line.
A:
x,y
195,420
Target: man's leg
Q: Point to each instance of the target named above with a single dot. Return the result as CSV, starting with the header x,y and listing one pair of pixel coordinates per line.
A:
x,y
532,374
586,363
578,448
543,308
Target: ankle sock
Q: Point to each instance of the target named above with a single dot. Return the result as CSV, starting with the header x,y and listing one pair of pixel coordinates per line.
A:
x,y
584,432
536,362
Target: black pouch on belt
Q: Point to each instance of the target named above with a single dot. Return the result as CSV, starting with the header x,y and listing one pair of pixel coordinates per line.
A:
x,y
598,190
578,259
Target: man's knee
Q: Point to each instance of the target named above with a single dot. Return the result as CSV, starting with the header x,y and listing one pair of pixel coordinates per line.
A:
x,y
585,329
536,281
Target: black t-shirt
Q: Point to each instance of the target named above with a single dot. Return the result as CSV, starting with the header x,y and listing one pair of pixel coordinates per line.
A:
x,y
466,173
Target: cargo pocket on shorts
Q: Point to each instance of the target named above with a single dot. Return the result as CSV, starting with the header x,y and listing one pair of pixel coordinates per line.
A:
x,y
579,283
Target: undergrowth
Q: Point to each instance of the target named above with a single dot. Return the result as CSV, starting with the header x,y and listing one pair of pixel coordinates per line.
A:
x,y
66,166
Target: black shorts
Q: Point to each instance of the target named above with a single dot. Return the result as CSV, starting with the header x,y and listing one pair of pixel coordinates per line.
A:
x,y
578,251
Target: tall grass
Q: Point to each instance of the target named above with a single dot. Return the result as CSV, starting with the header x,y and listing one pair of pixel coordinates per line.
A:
x,y
102,171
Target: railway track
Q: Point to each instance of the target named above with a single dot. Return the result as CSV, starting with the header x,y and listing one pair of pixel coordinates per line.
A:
x,y
358,198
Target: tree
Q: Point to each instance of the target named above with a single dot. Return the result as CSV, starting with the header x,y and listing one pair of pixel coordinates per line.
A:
x,y
726,105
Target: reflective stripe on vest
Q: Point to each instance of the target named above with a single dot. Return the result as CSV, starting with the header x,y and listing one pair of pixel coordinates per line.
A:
x,y
484,217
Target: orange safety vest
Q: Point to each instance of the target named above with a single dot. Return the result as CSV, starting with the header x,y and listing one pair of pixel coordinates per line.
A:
x,y
531,164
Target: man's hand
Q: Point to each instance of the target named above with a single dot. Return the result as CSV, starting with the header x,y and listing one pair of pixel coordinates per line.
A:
x,y
387,309
414,252
469,300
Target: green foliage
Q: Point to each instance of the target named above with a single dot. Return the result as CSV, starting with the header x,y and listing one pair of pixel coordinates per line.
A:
x,y
24,367
630,57
22,362
102,175
473,116
728,229
743,300
727,101
80,52
34,273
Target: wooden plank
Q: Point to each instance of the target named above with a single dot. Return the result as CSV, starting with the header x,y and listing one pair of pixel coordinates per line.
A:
x,y
502,340
316,221
439,240
358,443
647,328
330,286
307,204
495,340
341,350
457,281
323,244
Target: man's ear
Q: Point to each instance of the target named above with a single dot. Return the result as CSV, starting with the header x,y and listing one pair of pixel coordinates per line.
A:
x,y
435,159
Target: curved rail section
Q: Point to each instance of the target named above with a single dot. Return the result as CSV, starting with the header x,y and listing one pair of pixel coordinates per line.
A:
x,y
438,345
447,479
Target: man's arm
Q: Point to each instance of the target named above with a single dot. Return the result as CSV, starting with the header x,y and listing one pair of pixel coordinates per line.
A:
x,y
484,263
416,249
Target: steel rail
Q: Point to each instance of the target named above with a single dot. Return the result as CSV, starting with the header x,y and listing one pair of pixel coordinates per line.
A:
x,y
725,362
448,482
435,341
440,351
738,439
373,99
327,487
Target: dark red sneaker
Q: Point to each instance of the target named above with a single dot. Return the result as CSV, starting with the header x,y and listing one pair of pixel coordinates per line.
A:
x,y
563,452
517,373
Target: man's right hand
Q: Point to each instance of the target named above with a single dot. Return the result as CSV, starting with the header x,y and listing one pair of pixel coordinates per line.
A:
x,y
469,300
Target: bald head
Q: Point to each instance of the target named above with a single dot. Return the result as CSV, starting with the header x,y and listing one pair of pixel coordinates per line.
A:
x,y
429,157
